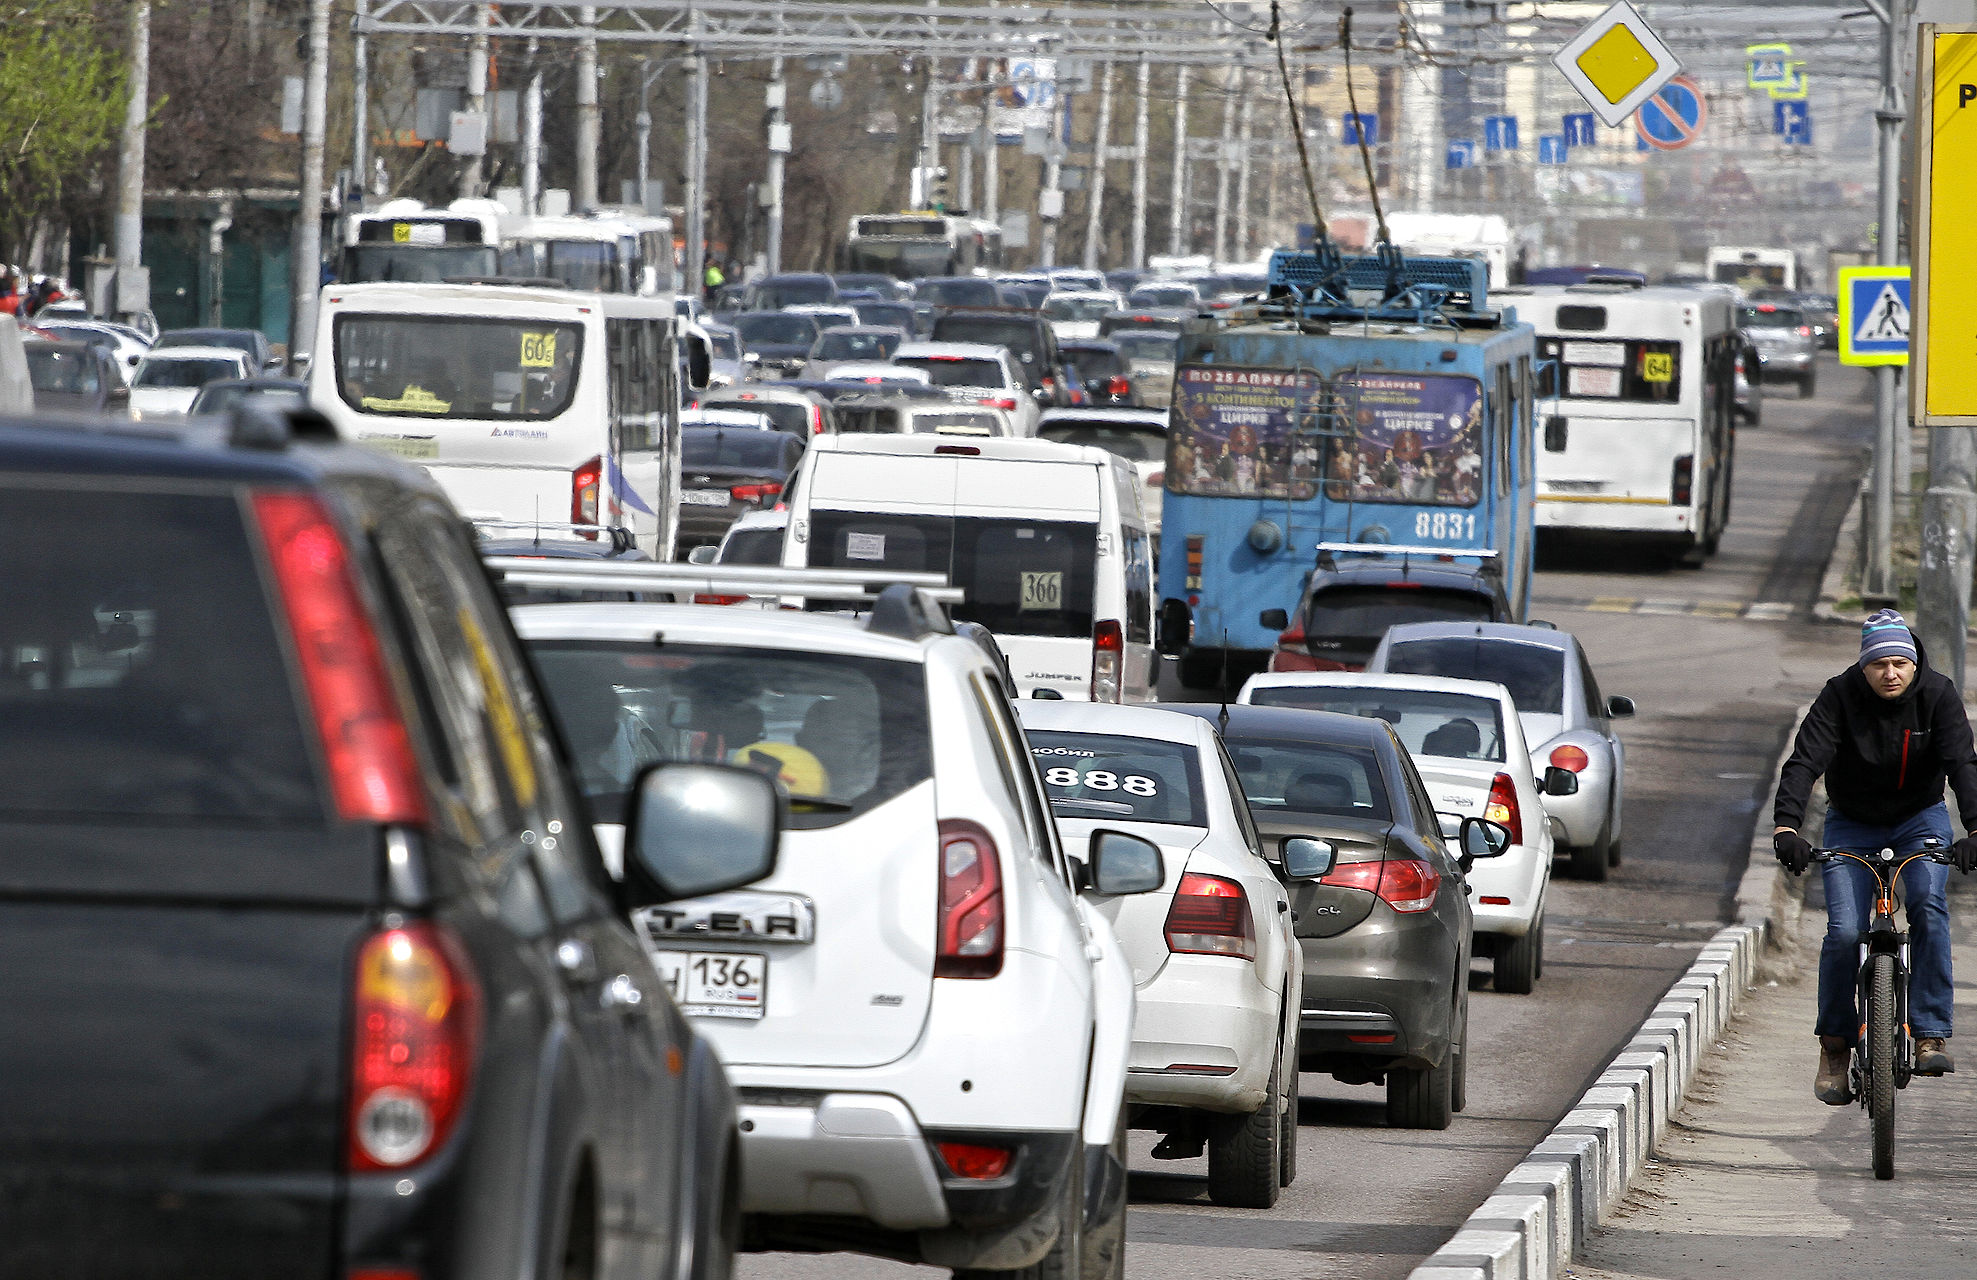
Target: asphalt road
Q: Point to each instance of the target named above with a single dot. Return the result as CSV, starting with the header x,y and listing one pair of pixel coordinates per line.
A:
x,y
1718,659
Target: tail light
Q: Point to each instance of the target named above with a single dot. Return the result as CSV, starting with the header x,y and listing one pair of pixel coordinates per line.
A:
x,y
1118,385
372,772
816,419
1502,807
1681,484
585,481
1803,331
417,1026
970,903
979,1163
1291,655
1406,884
1570,757
1156,479
1210,916
1001,402
1108,647
755,493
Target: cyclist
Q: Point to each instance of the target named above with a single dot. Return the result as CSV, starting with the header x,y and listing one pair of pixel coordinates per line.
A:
x,y
1886,733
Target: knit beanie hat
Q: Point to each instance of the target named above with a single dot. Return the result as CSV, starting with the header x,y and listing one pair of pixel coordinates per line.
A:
x,y
1886,635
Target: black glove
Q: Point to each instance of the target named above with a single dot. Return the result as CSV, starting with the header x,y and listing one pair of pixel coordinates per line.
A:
x,y
1964,854
1795,855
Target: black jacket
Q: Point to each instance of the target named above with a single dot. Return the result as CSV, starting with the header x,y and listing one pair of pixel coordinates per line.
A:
x,y
1885,760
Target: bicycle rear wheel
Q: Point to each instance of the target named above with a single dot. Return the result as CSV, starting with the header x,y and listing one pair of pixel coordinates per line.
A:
x,y
1883,1043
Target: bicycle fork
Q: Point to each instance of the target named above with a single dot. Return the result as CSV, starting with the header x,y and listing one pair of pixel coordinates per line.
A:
x,y
1881,937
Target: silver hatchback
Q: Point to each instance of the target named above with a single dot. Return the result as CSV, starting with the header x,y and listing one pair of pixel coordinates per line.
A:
x,y
1787,350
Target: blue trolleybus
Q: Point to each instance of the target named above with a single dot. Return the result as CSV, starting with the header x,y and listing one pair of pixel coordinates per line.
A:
x,y
1366,406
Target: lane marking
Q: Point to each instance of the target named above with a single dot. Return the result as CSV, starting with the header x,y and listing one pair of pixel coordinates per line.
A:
x,y
1721,610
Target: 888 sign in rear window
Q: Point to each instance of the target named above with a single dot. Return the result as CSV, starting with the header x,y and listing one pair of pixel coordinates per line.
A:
x,y
1091,775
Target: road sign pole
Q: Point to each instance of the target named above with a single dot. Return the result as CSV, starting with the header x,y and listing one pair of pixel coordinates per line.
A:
x,y
1878,581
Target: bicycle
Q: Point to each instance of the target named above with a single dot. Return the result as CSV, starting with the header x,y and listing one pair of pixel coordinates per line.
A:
x,y
1884,1053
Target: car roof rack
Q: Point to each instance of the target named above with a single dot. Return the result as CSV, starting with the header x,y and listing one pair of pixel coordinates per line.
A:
x,y
854,586
622,539
1327,550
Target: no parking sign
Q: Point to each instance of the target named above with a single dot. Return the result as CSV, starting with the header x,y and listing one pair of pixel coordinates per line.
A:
x,y
1673,116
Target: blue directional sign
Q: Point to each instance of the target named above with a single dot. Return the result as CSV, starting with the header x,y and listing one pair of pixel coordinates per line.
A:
x,y
1581,129
1874,315
1461,154
1793,122
1361,126
1499,133
1552,148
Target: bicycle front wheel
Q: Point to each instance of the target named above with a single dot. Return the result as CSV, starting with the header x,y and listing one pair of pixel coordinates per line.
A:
x,y
1883,1043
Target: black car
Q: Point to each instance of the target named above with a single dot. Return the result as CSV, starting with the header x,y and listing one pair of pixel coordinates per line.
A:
x,y
884,286
1345,609
897,315
255,343
775,343
728,470
1103,370
956,291
1029,338
795,288
74,377
279,394
313,966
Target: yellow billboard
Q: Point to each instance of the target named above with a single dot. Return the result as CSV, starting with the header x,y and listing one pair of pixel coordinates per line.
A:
x,y
1943,341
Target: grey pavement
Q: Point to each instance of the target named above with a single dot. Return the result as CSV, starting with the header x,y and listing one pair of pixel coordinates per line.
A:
x,y
1759,1179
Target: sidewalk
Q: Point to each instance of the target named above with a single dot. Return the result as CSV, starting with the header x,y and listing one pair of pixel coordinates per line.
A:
x,y
1757,1178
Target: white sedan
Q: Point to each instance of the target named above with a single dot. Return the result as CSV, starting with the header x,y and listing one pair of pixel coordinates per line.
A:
x,y
1468,745
1215,964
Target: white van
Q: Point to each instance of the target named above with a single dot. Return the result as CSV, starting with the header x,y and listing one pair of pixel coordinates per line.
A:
x,y
1048,542
524,403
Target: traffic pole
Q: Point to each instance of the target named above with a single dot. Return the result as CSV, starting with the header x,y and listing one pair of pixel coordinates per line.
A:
x,y
1244,138
1177,211
1223,155
588,123
1877,583
307,275
128,229
1095,186
360,103
477,46
1139,165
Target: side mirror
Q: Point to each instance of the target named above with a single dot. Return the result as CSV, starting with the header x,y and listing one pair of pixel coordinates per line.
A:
x,y
1560,782
1174,629
117,395
1119,863
1482,838
1304,858
1274,620
698,362
705,553
1619,708
700,828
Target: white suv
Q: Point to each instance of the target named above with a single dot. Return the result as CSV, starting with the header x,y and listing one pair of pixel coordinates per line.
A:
x,y
975,373
926,1026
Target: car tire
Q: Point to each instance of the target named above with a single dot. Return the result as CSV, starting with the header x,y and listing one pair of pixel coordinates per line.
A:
x,y
1104,1244
1065,1261
1423,1097
1245,1156
1516,969
1808,383
1287,1158
1540,970
1589,861
575,1243
1458,1085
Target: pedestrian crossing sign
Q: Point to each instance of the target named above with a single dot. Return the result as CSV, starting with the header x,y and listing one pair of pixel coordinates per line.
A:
x,y
1874,315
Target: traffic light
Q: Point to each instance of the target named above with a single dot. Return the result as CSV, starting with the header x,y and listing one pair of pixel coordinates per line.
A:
x,y
940,196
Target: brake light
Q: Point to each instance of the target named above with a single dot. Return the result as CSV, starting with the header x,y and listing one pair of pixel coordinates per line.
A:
x,y
754,493
417,1026
373,775
959,450
1108,647
1502,807
704,598
970,903
1155,479
817,419
1118,385
585,481
1570,757
1210,916
1681,485
1405,884
1803,331
966,1160
1001,402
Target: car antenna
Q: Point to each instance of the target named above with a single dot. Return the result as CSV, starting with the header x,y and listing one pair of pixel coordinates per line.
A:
x,y
1222,720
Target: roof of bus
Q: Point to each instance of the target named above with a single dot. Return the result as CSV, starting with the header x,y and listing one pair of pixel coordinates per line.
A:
x,y
471,298
1659,305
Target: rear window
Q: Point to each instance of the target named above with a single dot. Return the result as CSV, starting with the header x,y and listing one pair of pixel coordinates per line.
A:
x,y
753,546
183,373
1148,344
955,371
1074,308
957,293
854,346
1283,776
1772,318
1453,725
1369,611
740,447
897,314
1593,369
1021,577
843,734
1093,363
792,418
1534,673
776,328
1134,444
71,372
1091,775
141,677
1020,336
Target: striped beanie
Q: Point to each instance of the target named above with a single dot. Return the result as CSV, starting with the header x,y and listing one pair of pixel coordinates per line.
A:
x,y
1886,635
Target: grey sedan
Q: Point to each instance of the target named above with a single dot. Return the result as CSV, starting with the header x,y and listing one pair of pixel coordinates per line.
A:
x,y
1567,721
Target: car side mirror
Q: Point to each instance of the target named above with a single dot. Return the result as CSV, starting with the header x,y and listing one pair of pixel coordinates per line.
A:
x,y
705,553
1618,707
1481,838
1118,863
117,395
1560,782
1174,629
1304,858
700,828
1274,620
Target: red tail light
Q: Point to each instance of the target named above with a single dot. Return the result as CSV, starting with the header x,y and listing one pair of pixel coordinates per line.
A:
x,y
816,420
1118,385
1502,807
1570,757
417,1027
707,599
1405,884
1155,479
1210,916
1803,331
1681,484
1108,649
1291,655
970,903
372,772
585,481
1001,402
967,1160
755,493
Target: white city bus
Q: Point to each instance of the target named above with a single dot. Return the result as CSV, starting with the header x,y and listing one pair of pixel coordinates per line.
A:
x,y
611,251
1636,387
524,403
404,240
1750,269
910,245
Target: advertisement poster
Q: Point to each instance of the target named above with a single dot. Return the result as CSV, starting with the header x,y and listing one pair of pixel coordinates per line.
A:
x,y
1234,433
1417,438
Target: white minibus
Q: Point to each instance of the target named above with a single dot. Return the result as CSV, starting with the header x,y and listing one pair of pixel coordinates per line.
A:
x,y
604,252
1047,542
1636,386
524,403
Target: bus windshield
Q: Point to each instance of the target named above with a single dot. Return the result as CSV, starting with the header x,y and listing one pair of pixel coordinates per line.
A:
x,y
900,259
456,366
423,264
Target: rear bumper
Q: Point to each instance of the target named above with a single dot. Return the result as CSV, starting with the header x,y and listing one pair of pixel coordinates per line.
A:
x,y
1375,1001
1591,513
1785,362
1204,1035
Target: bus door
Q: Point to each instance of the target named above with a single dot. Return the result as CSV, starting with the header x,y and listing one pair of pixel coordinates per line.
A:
x,y
645,476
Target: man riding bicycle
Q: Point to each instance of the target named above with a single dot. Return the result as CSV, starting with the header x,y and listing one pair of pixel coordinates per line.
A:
x,y
1886,733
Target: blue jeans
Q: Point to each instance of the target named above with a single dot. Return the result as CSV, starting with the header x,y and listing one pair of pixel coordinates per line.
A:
x,y
1850,891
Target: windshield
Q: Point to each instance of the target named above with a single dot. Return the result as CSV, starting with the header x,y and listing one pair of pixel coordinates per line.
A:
x,y
1091,775
843,734
1133,443
957,291
775,328
65,372
1020,577
954,422
1148,344
1020,336
900,259
771,294
222,398
898,315
1366,612
1280,775
1163,295
1534,673
1062,307
581,264
1460,726
1633,369
955,371
182,374
724,344
1772,318
424,264
854,346
457,366
760,448
1094,362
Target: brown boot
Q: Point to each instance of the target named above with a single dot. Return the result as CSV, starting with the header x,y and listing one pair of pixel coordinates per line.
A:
x,y
1932,1057
1831,1085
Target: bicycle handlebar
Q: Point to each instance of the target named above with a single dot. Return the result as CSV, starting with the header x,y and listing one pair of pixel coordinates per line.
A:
x,y
1892,860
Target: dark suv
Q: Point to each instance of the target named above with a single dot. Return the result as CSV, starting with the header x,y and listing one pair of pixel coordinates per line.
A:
x,y
1346,609
1029,338
312,965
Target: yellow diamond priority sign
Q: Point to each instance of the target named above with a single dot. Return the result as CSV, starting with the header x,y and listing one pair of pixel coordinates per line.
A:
x,y
1616,63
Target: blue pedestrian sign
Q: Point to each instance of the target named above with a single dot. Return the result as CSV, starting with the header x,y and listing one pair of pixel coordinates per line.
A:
x,y
1461,154
1363,126
1874,315
1581,129
1792,121
1499,133
1552,148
